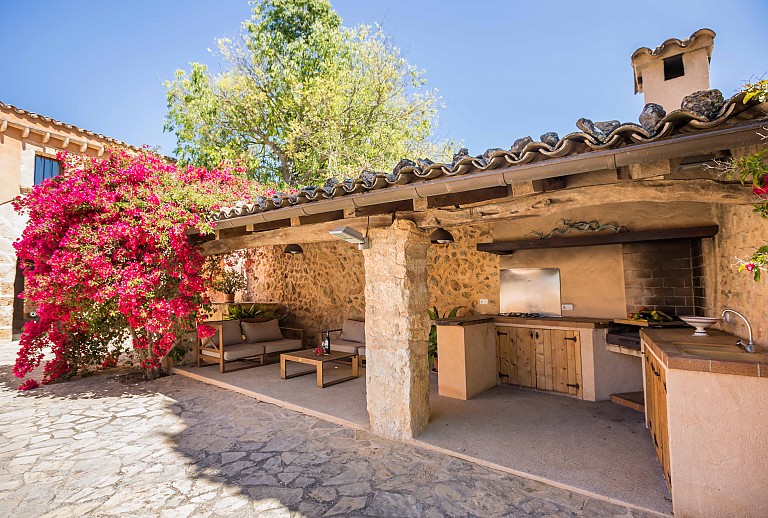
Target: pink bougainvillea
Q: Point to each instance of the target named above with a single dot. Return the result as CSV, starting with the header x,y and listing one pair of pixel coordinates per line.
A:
x,y
106,257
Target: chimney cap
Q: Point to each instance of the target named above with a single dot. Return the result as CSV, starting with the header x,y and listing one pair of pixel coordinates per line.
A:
x,y
701,39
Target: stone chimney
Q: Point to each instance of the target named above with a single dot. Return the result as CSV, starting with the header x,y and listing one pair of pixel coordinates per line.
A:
x,y
674,69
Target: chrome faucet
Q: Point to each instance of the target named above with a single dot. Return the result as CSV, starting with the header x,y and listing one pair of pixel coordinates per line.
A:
x,y
750,347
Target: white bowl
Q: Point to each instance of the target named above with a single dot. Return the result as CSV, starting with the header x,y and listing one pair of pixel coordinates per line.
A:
x,y
700,323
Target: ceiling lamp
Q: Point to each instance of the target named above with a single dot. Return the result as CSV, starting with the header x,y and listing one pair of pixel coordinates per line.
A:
x,y
293,249
441,236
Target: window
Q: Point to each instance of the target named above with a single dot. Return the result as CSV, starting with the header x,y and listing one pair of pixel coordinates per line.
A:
x,y
45,168
673,67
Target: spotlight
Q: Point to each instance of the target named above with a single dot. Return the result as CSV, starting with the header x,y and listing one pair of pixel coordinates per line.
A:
x,y
441,236
350,235
293,249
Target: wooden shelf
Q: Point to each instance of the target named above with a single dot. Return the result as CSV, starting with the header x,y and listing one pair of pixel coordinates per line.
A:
x,y
509,247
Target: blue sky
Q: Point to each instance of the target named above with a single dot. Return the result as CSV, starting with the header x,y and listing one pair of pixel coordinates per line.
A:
x,y
505,69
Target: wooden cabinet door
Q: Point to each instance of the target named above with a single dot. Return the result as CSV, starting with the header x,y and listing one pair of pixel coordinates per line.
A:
x,y
504,355
547,359
562,361
656,411
526,356
516,356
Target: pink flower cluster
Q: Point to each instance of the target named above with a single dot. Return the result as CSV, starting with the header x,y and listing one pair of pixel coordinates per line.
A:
x,y
106,253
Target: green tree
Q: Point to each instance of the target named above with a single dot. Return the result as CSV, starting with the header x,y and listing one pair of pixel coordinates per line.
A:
x,y
302,98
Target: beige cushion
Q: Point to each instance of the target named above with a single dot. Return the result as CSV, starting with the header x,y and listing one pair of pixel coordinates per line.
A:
x,y
280,346
353,331
230,330
345,346
237,351
256,332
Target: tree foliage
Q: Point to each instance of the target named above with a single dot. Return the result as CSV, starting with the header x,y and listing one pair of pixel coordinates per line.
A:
x,y
753,169
302,98
106,257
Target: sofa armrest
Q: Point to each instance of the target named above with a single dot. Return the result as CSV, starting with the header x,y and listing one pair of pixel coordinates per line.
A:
x,y
294,333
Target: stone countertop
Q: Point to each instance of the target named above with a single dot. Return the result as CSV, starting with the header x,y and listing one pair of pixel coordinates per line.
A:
x,y
569,322
716,353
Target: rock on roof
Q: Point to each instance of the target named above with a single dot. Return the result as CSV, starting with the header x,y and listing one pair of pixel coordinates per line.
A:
x,y
702,111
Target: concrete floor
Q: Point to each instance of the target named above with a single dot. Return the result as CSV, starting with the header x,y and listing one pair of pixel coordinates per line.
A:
x,y
345,401
599,447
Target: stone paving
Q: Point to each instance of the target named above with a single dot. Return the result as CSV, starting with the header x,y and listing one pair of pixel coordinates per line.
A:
x,y
175,447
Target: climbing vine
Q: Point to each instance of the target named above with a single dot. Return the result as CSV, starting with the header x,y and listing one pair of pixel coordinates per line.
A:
x,y
753,169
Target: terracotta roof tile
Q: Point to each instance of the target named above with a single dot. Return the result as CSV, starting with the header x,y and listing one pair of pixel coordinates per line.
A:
x,y
593,137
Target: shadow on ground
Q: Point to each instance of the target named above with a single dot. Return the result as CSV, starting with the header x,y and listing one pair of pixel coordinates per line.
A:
x,y
176,447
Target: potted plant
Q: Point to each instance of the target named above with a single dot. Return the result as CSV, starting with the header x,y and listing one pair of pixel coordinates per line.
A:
x,y
434,314
228,283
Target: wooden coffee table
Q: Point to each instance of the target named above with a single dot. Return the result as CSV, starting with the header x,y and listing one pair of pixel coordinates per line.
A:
x,y
310,358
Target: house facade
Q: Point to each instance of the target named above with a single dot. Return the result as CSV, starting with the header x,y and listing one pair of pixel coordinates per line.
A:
x,y
29,144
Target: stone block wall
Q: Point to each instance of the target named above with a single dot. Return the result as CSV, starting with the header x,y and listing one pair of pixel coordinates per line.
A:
x,y
319,288
661,274
741,233
459,275
325,284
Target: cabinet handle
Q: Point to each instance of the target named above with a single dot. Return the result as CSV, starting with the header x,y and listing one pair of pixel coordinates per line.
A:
x,y
537,335
571,339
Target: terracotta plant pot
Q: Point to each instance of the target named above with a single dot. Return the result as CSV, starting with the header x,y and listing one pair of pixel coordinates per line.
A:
x,y
228,297
434,364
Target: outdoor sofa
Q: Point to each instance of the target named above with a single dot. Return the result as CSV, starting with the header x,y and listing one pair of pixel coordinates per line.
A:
x,y
248,340
349,339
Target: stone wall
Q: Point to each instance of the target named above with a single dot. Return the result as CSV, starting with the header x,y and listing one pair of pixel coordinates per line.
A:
x,y
325,284
319,288
741,232
459,275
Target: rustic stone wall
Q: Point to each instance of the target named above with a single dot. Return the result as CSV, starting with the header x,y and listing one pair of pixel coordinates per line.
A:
x,y
319,288
741,232
396,331
459,275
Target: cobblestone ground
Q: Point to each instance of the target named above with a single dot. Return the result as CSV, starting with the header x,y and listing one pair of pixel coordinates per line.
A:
x,y
175,448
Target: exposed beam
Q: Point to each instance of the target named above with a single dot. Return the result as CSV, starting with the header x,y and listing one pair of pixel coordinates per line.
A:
x,y
468,197
508,247
323,217
384,208
545,204
302,234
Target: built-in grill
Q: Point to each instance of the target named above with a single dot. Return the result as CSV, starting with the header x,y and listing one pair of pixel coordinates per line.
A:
x,y
630,340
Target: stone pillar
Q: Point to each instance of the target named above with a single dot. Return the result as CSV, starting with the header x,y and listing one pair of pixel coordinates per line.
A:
x,y
396,330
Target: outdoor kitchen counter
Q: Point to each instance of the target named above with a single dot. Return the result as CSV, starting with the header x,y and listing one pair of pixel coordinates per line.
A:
x,y
705,400
569,322
717,353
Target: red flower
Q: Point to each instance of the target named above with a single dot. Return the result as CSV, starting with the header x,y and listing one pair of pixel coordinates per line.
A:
x,y
761,191
204,331
29,384
750,267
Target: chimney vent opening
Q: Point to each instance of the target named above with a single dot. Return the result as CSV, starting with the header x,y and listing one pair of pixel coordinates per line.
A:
x,y
673,67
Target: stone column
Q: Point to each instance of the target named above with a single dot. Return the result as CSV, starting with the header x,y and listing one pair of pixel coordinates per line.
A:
x,y
396,330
